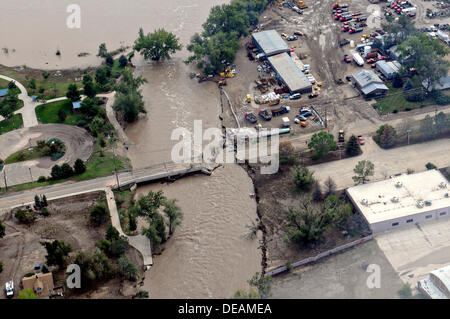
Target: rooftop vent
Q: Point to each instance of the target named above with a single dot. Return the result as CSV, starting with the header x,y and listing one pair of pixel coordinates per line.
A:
x,y
446,195
443,185
419,204
428,203
395,199
365,202
398,184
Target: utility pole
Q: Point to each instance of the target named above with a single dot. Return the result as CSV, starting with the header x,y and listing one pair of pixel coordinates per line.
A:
x,y
115,168
29,168
407,133
6,185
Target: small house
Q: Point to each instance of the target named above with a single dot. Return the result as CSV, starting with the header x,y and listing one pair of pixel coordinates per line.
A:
x,y
41,284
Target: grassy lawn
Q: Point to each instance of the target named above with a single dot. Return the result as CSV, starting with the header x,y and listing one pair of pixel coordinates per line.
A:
x,y
395,101
12,124
24,155
48,113
14,106
96,166
3,84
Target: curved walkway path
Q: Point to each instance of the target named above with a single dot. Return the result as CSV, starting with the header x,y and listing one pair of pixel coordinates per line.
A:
x,y
27,111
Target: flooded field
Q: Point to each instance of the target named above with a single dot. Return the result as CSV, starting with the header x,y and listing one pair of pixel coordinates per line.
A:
x,y
33,31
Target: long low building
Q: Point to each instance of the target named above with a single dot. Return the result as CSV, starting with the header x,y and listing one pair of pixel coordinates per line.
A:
x,y
369,83
388,69
269,42
403,200
437,286
290,74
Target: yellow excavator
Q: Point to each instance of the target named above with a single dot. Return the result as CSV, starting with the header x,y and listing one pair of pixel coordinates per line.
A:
x,y
302,4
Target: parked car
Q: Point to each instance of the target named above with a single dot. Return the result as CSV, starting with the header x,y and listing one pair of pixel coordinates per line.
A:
x,y
343,42
347,58
265,115
313,95
292,38
361,140
250,117
305,112
302,123
295,96
9,287
284,35
281,110
301,117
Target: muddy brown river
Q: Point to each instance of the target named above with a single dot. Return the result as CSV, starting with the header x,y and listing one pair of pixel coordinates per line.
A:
x,y
208,256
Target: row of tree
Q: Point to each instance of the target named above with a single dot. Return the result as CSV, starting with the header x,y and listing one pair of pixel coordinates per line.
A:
x,y
66,171
218,43
429,128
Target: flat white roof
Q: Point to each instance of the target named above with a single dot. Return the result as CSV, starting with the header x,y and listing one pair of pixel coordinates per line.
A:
x,y
401,196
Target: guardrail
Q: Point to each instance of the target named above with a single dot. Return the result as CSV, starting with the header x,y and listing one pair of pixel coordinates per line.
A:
x,y
319,256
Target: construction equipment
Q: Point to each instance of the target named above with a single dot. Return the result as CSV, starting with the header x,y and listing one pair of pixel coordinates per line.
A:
x,y
341,138
249,98
302,4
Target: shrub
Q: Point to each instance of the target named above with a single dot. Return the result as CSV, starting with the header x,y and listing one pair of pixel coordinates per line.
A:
x,y
417,96
430,166
98,214
42,179
126,268
62,115
79,167
142,294
26,217
45,212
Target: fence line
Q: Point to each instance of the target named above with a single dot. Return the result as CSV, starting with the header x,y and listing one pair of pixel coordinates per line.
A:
x,y
319,256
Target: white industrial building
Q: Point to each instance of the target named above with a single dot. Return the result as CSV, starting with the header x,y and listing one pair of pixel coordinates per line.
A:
x,y
402,200
437,286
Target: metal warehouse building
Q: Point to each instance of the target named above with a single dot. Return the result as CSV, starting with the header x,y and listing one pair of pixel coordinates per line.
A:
x,y
388,69
269,42
403,200
369,83
290,74
437,286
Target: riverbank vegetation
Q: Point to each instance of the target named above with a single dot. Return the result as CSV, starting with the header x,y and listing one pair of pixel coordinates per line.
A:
x,y
157,46
217,45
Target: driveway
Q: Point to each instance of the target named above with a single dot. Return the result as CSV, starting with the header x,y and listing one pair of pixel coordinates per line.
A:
x,y
387,162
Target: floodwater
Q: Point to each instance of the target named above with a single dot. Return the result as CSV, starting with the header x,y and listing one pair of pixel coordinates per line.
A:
x,y
33,31
208,256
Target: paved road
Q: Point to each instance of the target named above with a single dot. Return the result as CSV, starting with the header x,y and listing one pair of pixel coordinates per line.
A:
x,y
27,111
387,162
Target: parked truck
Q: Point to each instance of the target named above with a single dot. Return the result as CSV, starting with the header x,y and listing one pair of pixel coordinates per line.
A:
x,y
9,287
265,114
281,110
250,117
358,59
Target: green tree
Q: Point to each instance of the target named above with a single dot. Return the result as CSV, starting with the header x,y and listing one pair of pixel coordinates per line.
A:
x,y
307,224
322,143
158,45
388,137
330,186
127,269
441,123
62,115
317,191
56,172
427,127
57,252
352,147
101,76
123,61
129,106
250,294
287,153
303,177
426,55
102,51
397,81
2,230
112,233
79,167
338,210
72,93
132,221
66,171
12,85
27,294
174,214
94,267
98,214
26,217
363,170
262,284
89,88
